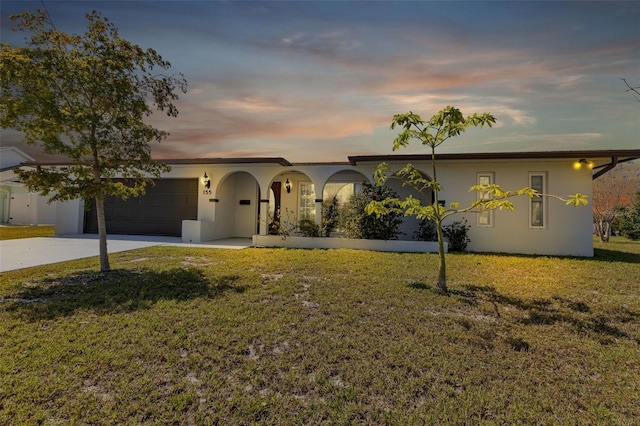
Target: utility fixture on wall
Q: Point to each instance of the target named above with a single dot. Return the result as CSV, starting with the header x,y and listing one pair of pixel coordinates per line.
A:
x,y
287,185
581,163
206,181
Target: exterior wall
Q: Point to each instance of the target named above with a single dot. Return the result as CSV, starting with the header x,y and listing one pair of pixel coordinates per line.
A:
x,y
19,206
246,215
349,243
5,203
567,230
69,217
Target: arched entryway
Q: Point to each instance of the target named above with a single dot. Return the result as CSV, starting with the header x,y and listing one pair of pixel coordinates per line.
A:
x,y
292,198
411,225
336,196
237,206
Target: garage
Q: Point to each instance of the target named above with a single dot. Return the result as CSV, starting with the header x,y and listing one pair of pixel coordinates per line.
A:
x,y
159,212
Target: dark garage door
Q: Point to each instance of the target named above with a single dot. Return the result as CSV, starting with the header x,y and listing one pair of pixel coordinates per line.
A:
x,y
159,212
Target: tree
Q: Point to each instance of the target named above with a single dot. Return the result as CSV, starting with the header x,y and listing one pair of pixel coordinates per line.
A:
x,y
612,192
630,220
635,90
86,97
447,123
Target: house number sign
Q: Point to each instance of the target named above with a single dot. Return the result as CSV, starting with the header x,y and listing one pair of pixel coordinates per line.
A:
x,y
206,182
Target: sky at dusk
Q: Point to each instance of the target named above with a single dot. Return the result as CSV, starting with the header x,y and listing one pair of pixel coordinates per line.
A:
x,y
320,80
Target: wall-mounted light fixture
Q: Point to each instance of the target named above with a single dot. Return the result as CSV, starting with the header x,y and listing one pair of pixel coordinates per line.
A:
x,y
205,180
287,185
582,163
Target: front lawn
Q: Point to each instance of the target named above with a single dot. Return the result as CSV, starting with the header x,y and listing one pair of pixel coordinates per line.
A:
x,y
13,232
277,336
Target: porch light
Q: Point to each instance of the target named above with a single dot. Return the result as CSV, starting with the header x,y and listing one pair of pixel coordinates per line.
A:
x,y
205,180
287,185
582,162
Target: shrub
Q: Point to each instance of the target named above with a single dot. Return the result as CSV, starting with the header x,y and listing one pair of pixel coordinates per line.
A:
x,y
629,221
330,216
426,231
308,228
359,224
457,235
282,223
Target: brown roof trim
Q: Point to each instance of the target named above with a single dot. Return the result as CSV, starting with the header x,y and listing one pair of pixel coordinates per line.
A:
x,y
631,154
319,163
622,155
248,160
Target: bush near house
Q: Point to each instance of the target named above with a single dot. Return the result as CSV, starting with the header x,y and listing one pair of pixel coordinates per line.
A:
x,y
426,231
456,235
330,216
359,224
281,336
629,220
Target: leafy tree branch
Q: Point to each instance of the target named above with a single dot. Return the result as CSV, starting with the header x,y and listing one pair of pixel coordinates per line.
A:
x,y
86,97
445,124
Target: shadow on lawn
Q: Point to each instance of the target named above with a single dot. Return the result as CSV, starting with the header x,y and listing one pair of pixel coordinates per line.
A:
x,y
606,255
556,310
599,254
115,291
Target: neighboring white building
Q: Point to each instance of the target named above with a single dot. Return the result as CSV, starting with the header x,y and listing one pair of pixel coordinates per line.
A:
x,y
209,199
17,204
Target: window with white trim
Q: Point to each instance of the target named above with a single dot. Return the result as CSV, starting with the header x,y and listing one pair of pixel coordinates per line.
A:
x,y
484,216
307,208
537,208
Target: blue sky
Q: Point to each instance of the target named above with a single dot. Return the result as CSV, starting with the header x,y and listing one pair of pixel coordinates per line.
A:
x,y
321,80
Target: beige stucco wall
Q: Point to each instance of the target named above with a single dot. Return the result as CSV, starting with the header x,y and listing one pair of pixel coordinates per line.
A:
x,y
567,230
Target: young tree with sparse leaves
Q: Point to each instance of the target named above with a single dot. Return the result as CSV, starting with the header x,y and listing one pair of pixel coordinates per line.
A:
x,y
86,97
447,123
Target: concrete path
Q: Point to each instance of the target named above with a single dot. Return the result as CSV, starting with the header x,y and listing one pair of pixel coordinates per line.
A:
x,y
27,252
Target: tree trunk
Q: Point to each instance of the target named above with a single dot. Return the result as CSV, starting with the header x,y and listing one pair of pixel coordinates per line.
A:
x,y
603,229
442,270
102,234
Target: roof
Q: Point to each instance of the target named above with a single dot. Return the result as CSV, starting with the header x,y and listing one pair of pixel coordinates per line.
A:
x,y
621,154
245,160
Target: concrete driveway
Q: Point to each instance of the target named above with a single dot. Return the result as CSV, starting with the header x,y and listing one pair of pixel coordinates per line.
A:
x,y
27,252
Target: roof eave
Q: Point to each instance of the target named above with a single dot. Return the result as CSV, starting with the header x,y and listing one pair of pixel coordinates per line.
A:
x,y
627,154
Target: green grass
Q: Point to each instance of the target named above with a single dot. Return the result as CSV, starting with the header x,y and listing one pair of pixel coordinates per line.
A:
x,y
276,336
15,232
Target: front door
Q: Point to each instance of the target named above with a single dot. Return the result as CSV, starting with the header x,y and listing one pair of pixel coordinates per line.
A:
x,y
274,206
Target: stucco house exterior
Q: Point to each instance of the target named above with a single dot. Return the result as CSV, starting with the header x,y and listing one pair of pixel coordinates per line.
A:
x,y
17,204
209,199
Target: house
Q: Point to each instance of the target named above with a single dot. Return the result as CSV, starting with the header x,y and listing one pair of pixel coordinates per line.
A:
x,y
209,199
17,204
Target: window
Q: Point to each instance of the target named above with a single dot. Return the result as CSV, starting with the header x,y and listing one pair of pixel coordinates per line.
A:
x,y
307,201
536,204
484,217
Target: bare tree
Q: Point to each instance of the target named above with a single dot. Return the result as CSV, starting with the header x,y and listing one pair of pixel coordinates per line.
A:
x,y
635,90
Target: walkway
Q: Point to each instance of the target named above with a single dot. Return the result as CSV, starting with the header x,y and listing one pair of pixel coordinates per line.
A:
x,y
28,252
